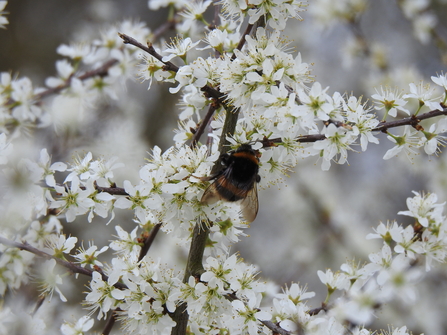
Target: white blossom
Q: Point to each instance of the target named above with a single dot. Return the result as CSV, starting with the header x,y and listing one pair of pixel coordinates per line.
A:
x,y
3,20
81,326
288,117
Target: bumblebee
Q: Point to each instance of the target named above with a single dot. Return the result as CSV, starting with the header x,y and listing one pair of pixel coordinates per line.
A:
x,y
236,181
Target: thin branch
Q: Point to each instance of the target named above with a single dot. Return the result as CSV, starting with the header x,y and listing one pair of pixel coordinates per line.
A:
x,y
169,66
317,310
194,267
203,125
112,190
100,71
383,127
110,323
242,40
216,94
150,50
73,268
148,241
269,142
275,329
410,121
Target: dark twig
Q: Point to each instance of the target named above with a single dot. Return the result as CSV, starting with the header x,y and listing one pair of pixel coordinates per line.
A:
x,y
383,127
73,268
169,66
110,323
150,50
410,121
216,94
112,190
148,241
317,310
275,328
100,71
203,125
242,40
269,142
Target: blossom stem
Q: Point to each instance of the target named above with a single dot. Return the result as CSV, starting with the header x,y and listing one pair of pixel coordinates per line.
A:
x,y
386,114
328,296
421,103
171,12
396,138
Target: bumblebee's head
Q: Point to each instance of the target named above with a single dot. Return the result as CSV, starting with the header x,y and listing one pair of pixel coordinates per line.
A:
x,y
245,147
244,151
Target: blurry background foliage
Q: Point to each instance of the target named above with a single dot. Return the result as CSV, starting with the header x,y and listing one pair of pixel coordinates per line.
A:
x,y
312,221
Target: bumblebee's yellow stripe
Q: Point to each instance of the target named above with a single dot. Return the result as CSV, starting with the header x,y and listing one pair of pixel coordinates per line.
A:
x,y
247,155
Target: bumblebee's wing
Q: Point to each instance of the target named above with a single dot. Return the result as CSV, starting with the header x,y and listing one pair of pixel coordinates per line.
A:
x,y
212,177
211,195
250,205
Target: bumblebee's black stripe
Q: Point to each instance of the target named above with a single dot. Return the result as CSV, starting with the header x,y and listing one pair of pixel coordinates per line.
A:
x,y
229,191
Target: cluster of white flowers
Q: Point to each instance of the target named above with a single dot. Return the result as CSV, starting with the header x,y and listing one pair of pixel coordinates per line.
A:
x,y
395,270
168,193
268,86
33,215
283,112
229,296
89,73
276,12
427,99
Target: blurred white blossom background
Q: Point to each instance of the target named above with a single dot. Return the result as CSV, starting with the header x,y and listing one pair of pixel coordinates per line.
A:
x,y
312,220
